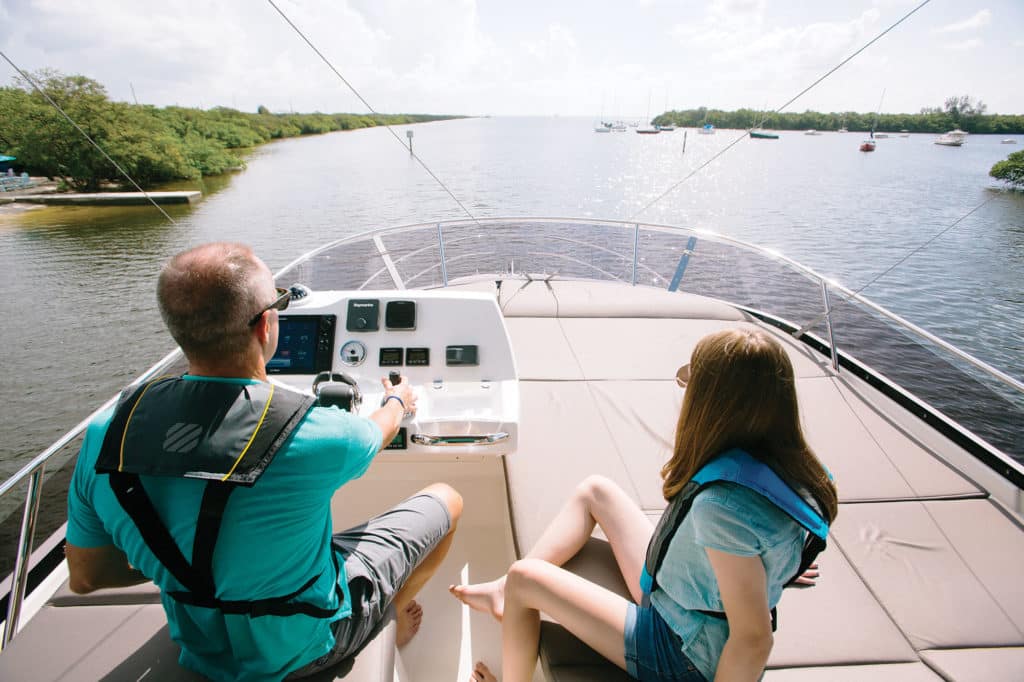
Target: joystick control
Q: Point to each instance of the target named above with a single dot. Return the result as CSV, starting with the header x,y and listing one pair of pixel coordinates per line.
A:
x,y
394,378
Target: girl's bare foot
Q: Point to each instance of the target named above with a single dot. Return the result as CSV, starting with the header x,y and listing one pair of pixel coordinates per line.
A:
x,y
484,597
409,620
481,673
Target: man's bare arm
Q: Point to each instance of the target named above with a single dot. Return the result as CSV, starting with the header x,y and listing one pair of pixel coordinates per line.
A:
x,y
94,568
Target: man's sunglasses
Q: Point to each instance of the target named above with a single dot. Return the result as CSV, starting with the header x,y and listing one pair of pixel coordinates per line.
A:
x,y
280,303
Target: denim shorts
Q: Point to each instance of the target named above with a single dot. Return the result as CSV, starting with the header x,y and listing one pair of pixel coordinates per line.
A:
x,y
654,652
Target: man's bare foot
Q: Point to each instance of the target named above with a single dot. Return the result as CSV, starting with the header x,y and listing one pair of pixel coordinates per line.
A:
x,y
484,597
409,620
481,673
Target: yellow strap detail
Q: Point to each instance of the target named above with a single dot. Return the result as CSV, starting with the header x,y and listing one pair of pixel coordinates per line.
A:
x,y
124,434
263,416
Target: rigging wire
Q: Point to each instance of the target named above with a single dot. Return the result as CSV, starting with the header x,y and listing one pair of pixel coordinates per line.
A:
x,y
372,110
800,94
31,81
883,273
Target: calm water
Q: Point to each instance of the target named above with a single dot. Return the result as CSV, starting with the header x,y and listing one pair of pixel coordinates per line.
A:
x,y
79,311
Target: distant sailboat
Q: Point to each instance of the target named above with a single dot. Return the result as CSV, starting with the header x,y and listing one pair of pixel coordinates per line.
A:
x,y
650,129
759,133
869,144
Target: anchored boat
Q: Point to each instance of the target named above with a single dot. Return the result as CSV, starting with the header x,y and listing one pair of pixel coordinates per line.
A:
x,y
545,350
954,138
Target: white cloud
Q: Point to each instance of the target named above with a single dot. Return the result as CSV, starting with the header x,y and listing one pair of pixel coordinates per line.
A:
x,y
964,45
783,51
467,56
979,20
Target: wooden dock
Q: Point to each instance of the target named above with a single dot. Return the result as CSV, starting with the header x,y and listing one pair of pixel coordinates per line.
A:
x,y
108,198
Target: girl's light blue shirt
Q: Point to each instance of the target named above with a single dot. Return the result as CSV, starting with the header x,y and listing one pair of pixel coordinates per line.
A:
x,y
734,519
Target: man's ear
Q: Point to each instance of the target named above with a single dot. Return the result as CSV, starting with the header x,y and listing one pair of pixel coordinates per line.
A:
x,y
262,328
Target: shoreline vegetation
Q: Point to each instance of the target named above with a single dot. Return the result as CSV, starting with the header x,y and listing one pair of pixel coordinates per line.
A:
x,y
957,112
154,145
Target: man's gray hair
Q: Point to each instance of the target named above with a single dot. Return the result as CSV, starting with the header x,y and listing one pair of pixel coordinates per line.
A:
x,y
207,295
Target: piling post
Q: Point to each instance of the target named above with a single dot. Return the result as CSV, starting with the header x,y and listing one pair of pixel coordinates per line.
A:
x,y
408,133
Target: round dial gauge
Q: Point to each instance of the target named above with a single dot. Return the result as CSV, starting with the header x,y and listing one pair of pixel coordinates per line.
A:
x,y
353,353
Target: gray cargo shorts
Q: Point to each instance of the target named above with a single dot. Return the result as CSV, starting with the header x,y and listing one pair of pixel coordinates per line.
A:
x,y
379,557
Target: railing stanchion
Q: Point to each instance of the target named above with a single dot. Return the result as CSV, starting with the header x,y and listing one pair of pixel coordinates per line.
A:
x,y
444,268
21,560
828,326
636,249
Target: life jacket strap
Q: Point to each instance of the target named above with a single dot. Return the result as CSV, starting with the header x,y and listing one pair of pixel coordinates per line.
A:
x,y
197,577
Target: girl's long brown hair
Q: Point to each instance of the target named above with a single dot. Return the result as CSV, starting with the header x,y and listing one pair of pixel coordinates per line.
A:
x,y
742,394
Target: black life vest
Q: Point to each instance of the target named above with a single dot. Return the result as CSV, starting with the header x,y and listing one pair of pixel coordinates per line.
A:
x,y
224,433
735,466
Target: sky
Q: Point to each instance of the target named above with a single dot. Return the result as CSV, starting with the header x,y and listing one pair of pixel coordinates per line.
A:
x,y
597,58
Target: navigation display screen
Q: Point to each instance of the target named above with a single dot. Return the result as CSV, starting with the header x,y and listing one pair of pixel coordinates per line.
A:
x,y
296,346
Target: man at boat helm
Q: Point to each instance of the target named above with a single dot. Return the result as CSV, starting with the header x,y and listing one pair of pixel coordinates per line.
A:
x,y
216,485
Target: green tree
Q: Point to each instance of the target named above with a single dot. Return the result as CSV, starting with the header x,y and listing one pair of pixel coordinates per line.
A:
x,y
152,145
1010,170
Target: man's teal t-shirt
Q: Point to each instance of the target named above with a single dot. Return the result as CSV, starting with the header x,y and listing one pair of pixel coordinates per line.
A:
x,y
274,537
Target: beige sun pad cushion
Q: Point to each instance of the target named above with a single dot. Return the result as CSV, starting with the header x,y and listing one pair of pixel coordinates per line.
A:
x,y
146,593
870,457
562,440
978,665
646,349
890,672
87,643
130,643
883,463
570,298
837,622
541,350
948,572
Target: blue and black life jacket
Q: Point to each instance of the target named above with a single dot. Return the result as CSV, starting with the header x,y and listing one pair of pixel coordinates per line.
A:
x,y
224,433
735,466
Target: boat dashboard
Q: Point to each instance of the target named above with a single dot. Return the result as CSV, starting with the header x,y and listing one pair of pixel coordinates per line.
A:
x,y
453,348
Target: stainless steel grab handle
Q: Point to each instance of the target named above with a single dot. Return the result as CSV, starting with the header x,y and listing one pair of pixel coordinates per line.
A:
x,y
485,439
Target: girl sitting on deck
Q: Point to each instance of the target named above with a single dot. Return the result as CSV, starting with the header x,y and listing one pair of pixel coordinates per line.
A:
x,y
732,554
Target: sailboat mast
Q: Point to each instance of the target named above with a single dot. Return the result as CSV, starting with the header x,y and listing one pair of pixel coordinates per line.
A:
x,y
878,111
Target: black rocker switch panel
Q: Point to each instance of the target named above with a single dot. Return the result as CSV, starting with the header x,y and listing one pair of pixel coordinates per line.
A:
x,y
461,355
324,344
363,315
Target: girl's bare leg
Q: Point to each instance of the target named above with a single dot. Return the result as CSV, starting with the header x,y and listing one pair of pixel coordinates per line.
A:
x,y
595,501
599,500
592,613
